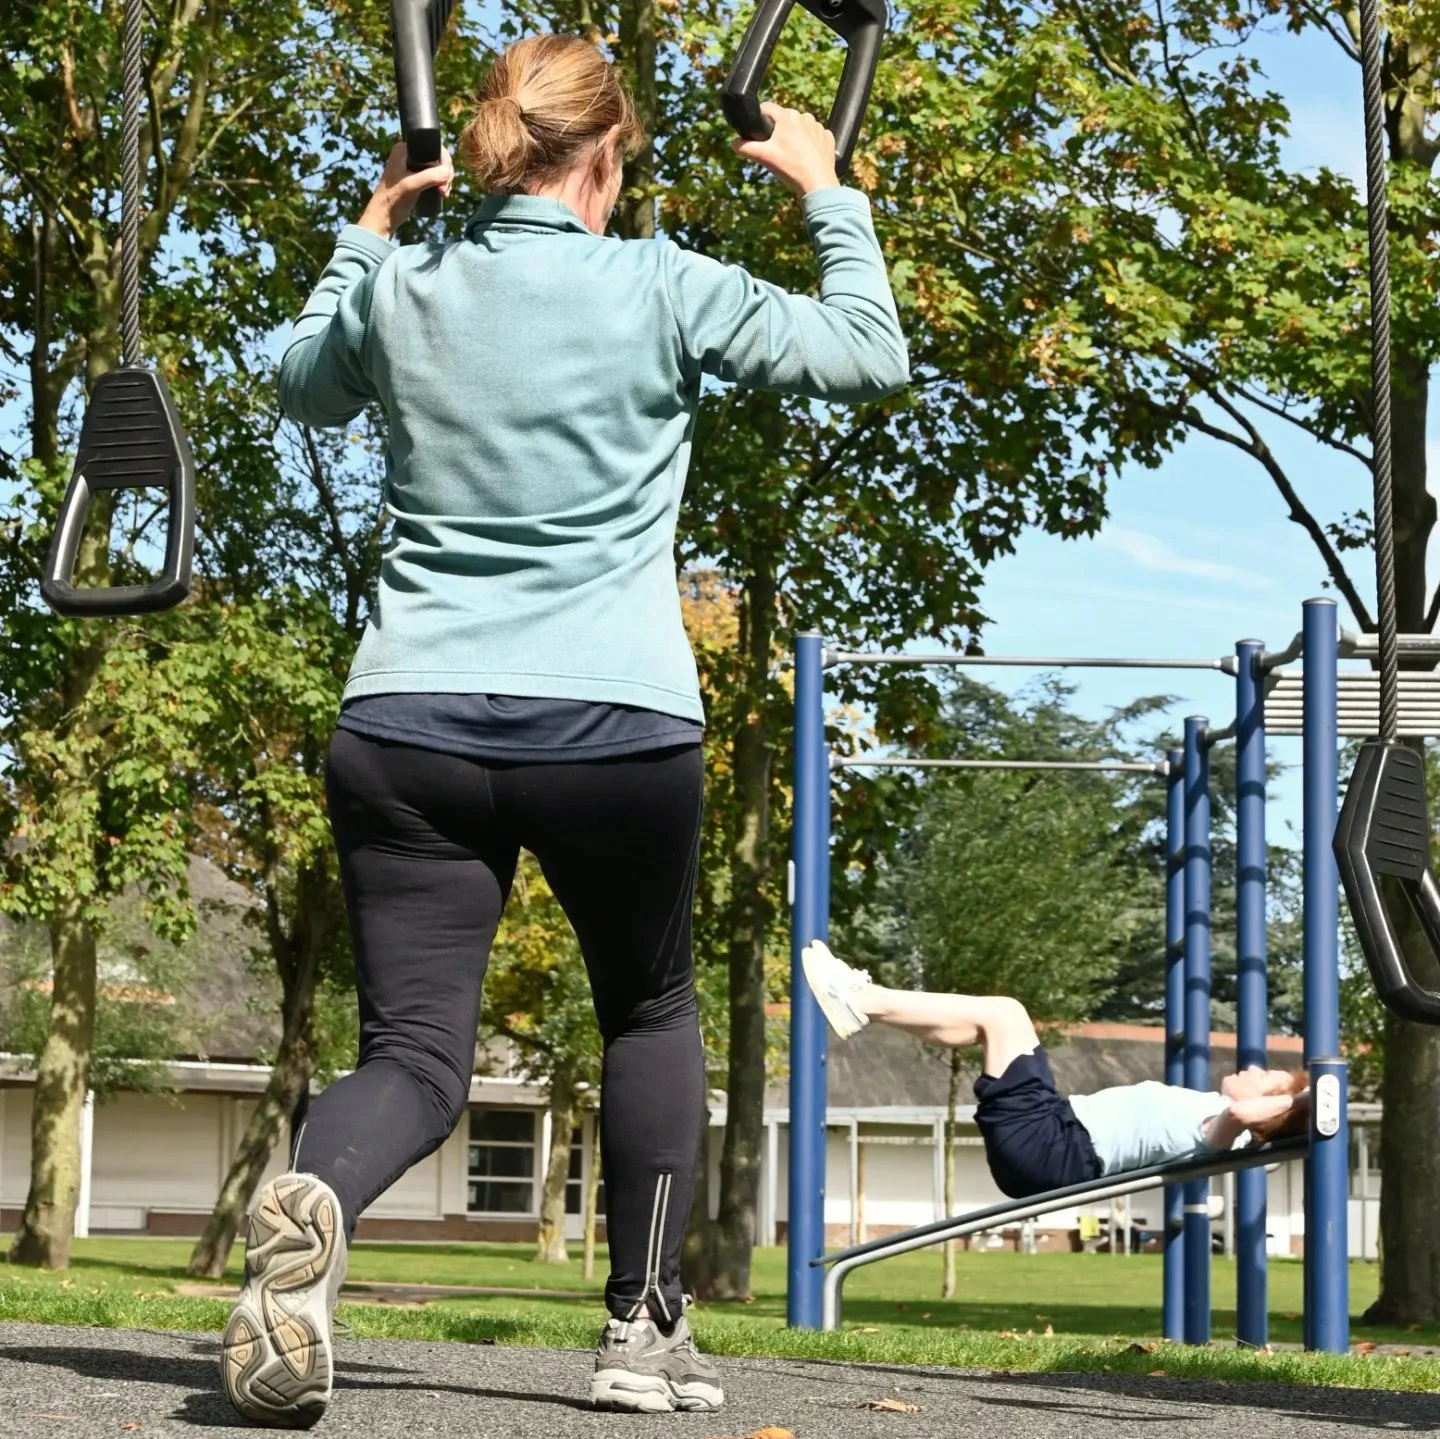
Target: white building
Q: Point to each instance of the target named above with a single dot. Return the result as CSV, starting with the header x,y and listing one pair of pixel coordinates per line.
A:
x,y
155,1163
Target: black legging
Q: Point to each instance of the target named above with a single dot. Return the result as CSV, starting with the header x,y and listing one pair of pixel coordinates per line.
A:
x,y
428,844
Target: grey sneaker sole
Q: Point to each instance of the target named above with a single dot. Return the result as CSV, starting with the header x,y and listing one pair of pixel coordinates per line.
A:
x,y
275,1363
628,1392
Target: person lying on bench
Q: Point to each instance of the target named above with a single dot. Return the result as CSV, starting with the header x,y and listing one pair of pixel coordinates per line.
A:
x,y
1035,1139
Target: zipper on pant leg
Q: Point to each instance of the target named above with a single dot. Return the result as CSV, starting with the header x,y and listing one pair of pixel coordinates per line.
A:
x,y
655,1248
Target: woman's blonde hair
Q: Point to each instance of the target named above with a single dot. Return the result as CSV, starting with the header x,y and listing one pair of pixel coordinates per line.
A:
x,y
546,101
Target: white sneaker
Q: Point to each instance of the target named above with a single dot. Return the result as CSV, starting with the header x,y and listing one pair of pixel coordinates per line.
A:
x,y
834,985
276,1361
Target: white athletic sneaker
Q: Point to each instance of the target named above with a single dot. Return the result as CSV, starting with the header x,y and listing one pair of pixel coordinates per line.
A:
x,y
834,983
276,1362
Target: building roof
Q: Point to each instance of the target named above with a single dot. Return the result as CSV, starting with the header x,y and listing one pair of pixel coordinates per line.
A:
x,y
884,1068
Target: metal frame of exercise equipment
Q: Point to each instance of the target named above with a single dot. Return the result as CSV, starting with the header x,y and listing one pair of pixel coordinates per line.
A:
x,y
1186,1299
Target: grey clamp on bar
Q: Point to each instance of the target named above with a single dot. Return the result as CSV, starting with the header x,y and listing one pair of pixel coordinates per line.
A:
x,y
860,23
416,28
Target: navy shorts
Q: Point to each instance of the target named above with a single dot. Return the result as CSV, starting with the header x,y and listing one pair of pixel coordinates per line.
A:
x,y
1033,1141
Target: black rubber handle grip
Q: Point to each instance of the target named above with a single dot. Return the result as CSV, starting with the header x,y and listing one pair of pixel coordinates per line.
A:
x,y
416,27
131,439
860,23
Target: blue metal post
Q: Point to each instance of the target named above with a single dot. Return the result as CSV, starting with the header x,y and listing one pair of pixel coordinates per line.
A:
x,y
1174,1310
1252,1326
1327,1169
1197,1015
809,919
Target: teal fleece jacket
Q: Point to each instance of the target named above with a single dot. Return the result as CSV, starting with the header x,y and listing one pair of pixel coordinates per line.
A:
x,y
541,384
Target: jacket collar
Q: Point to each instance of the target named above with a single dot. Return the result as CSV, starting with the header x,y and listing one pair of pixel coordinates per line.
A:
x,y
524,212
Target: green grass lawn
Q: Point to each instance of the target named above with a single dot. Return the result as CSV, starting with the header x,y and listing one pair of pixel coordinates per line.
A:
x,y
1015,1312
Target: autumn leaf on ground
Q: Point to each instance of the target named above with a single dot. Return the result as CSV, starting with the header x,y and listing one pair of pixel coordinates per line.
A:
x,y
890,1405
771,1432
1149,1348
1365,1346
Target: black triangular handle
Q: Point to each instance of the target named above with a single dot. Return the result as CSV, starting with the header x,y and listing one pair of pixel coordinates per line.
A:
x,y
860,23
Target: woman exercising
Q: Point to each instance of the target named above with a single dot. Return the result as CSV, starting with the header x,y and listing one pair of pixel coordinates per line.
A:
x,y
1035,1140
525,678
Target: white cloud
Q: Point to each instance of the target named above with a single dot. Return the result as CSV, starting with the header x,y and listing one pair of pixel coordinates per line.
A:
x,y
1150,552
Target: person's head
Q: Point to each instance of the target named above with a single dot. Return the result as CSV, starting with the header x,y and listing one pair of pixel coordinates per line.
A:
x,y
554,118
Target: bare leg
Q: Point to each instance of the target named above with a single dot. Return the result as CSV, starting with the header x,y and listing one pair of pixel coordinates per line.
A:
x,y
995,1021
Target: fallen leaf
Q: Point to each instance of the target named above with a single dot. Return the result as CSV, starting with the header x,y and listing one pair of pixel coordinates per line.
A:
x,y
1365,1346
1402,1353
485,1341
1149,1348
869,1329
1157,1373
890,1406
771,1432
1412,1328
926,1315
131,1425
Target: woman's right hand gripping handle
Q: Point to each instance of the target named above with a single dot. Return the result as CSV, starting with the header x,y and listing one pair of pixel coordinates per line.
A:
x,y
800,150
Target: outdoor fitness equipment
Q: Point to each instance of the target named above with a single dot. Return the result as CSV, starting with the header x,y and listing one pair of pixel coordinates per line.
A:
x,y
1382,842
860,23
416,27
131,438
1315,702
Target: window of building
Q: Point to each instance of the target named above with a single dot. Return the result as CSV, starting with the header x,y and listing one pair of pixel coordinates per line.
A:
x,y
502,1161
575,1184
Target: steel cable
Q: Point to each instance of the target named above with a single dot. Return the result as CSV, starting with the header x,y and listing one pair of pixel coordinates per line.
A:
x,y
1378,218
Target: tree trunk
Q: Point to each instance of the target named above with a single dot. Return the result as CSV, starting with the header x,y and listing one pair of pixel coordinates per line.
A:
x,y
61,1082
635,212
297,958
592,1201
564,1112
1410,1086
1410,1178
952,1100
740,1160
289,1079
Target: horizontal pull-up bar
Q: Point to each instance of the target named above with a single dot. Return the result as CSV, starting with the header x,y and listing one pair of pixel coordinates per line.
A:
x,y
1044,662
862,761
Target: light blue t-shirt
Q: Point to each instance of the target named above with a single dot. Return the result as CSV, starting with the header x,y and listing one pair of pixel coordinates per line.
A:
x,y
1136,1125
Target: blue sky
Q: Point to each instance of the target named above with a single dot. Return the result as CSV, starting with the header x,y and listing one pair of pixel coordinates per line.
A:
x,y
1199,554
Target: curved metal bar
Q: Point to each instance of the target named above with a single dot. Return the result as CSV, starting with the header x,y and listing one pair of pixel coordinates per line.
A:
x,y
1154,1177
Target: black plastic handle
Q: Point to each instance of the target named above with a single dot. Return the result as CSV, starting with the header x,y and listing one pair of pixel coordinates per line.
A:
x,y
416,28
860,23
1382,849
131,438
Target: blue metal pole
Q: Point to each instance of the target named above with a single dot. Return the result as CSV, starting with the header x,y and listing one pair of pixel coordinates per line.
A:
x,y
1174,1309
1327,1169
1252,1326
809,919
1197,1015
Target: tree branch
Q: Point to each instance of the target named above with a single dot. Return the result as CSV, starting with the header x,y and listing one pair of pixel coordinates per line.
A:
x,y
354,584
1258,450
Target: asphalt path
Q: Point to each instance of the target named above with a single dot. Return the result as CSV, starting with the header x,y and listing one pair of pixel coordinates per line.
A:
x,y
84,1382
